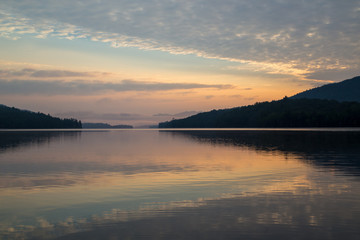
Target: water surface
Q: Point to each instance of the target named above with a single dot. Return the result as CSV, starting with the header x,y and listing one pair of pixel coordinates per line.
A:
x,y
172,184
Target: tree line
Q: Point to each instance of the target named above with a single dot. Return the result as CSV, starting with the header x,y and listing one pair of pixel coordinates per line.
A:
x,y
13,118
277,114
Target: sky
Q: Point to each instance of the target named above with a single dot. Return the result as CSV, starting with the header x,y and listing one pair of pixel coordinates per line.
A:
x,y
145,61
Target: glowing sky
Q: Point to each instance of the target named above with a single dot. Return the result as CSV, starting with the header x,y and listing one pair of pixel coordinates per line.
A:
x,y
141,62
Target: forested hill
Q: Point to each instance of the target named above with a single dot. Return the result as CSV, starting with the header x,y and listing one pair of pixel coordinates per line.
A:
x,y
347,90
13,118
282,113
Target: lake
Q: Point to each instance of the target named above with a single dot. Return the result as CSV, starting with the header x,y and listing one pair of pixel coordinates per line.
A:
x,y
180,184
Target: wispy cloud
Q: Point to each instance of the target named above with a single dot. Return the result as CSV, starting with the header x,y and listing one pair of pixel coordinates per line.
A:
x,y
34,73
78,87
177,115
284,37
91,116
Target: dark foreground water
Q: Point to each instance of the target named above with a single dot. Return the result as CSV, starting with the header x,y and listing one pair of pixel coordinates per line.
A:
x,y
195,184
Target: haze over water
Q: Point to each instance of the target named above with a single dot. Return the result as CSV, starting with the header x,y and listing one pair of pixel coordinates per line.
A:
x,y
195,184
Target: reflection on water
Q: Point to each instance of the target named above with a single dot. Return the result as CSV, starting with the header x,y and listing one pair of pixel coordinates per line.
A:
x,y
21,139
132,184
338,150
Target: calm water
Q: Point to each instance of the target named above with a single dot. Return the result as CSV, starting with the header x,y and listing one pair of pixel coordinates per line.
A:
x,y
151,184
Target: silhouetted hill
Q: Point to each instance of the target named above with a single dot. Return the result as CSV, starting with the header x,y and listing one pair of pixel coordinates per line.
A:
x,y
348,90
13,118
104,125
282,113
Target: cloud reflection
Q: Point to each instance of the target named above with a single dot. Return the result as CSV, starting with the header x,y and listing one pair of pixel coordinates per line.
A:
x,y
231,216
236,184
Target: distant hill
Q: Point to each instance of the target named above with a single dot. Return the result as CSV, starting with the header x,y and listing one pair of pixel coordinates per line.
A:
x,y
13,118
282,113
104,125
347,90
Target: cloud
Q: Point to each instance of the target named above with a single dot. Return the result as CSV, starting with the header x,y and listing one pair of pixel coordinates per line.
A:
x,y
58,73
34,73
286,37
88,115
78,87
177,115
334,74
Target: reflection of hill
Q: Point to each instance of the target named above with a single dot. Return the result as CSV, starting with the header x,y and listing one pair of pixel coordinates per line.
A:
x,y
16,139
62,159
336,149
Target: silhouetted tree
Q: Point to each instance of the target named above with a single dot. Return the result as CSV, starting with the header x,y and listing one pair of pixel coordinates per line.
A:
x,y
13,118
283,113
